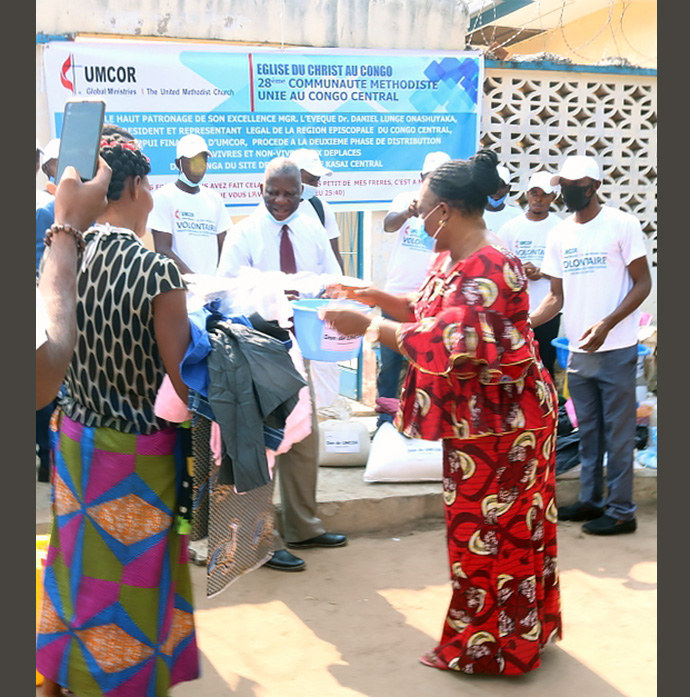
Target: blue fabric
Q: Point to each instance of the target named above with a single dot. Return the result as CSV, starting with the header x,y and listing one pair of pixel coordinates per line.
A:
x,y
193,370
199,404
273,437
45,216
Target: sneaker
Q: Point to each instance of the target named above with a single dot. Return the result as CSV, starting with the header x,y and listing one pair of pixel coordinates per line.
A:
x,y
606,525
198,552
579,511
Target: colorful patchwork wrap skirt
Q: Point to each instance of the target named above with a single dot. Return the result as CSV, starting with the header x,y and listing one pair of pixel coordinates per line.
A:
x,y
117,617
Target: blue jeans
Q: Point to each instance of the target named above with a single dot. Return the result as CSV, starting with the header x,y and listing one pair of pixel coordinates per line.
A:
x,y
388,379
602,387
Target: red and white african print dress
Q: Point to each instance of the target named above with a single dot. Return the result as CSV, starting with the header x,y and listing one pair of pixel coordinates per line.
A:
x,y
475,381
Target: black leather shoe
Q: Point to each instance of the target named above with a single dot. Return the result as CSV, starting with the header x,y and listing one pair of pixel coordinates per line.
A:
x,y
43,474
328,539
606,525
282,560
580,511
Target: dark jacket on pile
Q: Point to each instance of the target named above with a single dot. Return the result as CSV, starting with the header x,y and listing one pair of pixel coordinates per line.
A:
x,y
252,382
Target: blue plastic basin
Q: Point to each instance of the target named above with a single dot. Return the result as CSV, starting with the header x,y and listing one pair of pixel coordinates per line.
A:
x,y
316,342
563,351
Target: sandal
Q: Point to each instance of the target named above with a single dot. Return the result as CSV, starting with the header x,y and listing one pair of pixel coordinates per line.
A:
x,y
433,661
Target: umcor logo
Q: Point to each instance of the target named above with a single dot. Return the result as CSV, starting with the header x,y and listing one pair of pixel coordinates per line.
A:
x,y
110,73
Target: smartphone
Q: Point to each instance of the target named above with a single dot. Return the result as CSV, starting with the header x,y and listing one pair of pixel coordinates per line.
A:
x,y
80,139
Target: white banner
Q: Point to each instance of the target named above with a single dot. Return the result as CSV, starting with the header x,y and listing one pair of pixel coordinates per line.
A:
x,y
372,115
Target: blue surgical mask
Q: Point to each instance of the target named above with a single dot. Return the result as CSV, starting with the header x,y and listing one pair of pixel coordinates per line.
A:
x,y
438,229
292,216
185,180
497,202
308,191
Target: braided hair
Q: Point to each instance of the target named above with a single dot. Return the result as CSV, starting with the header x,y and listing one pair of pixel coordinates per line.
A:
x,y
125,160
112,129
466,184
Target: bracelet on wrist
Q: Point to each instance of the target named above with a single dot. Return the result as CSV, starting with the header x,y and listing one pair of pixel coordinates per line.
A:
x,y
372,332
57,228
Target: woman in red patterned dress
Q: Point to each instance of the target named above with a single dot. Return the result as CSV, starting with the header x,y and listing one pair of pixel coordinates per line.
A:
x,y
475,381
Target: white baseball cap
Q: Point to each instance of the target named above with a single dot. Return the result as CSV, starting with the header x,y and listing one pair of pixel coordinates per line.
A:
x,y
191,145
309,161
434,160
52,150
577,167
542,180
503,173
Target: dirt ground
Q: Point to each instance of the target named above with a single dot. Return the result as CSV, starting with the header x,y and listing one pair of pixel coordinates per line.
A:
x,y
355,622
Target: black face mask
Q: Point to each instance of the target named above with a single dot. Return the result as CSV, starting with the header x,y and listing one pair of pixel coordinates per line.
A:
x,y
575,197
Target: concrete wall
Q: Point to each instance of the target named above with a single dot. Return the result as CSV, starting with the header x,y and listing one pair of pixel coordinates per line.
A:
x,y
417,24
627,29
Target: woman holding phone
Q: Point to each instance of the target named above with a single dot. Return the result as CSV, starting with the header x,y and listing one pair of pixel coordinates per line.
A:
x,y
117,614
475,381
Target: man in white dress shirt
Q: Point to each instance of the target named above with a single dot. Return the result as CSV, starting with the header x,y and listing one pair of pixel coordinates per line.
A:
x,y
326,375
276,237
312,170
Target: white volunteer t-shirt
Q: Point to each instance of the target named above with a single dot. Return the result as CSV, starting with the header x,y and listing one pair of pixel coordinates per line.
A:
x,y
527,240
412,253
592,259
496,219
194,221
329,221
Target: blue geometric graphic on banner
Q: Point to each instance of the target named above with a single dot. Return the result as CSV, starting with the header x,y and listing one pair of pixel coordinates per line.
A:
x,y
423,101
451,71
460,101
443,92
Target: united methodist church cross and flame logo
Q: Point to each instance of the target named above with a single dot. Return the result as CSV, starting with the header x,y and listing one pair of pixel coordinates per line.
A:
x,y
66,67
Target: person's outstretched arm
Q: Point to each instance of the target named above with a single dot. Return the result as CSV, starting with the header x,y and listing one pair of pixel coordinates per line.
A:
x,y
77,204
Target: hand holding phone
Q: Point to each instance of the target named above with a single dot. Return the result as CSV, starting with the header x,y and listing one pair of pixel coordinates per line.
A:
x,y
79,203
80,139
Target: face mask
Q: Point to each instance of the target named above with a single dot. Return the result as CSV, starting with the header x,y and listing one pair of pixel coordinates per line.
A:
x,y
282,222
497,202
438,229
308,191
575,197
185,180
